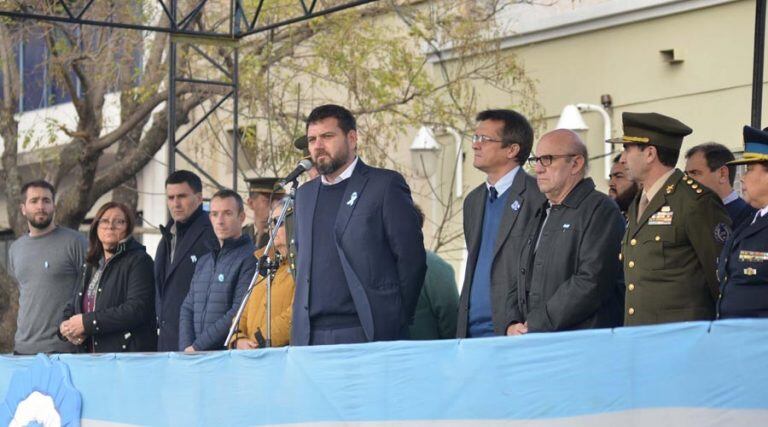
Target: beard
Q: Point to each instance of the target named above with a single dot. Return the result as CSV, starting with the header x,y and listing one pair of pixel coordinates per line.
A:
x,y
41,224
330,164
625,198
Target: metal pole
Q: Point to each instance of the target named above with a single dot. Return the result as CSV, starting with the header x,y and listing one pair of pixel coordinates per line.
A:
x,y
757,64
235,17
172,94
235,125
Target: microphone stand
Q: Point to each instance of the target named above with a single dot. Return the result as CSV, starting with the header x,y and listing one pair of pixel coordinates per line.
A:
x,y
269,267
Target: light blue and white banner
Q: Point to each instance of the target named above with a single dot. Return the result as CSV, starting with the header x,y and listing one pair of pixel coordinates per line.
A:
x,y
684,374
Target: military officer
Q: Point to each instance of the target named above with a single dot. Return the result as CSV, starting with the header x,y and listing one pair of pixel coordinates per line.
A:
x,y
743,266
259,192
676,228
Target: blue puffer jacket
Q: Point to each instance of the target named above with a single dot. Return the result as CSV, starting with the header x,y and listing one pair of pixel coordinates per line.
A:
x,y
218,285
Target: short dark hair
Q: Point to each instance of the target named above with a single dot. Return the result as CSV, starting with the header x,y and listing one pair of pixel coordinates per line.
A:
x,y
343,116
227,193
716,155
38,183
667,156
185,176
95,248
517,130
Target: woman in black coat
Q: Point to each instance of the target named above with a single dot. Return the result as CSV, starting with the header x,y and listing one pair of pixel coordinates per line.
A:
x,y
114,308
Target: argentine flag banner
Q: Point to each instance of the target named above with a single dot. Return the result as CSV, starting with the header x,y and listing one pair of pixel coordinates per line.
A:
x,y
682,374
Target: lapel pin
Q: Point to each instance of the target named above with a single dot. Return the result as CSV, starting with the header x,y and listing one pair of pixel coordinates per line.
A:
x,y
750,271
45,264
352,199
221,277
193,258
515,205
566,225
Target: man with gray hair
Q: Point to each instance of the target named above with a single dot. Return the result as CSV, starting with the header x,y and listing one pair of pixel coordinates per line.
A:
x,y
570,276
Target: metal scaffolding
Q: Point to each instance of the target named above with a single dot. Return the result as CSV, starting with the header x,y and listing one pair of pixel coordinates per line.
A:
x,y
242,22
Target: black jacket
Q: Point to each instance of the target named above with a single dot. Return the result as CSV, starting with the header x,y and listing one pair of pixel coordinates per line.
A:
x,y
124,319
574,281
172,279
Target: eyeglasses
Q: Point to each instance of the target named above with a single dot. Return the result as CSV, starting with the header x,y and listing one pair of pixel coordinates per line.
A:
x,y
482,139
546,160
273,223
116,223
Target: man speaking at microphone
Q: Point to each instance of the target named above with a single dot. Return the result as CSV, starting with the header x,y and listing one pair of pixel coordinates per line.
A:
x,y
361,259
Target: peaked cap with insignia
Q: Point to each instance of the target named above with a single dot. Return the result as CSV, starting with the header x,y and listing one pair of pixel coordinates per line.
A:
x,y
755,146
652,129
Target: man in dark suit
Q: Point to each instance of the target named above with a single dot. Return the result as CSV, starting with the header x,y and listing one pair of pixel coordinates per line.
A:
x,y
361,259
496,214
709,164
570,275
743,264
186,238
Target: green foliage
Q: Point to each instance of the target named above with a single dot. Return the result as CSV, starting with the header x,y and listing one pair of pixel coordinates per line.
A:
x,y
377,61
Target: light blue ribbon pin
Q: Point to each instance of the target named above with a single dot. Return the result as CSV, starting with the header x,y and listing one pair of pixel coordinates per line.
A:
x,y
515,205
221,277
352,199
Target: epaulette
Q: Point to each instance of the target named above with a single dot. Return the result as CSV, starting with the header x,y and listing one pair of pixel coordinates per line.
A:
x,y
694,186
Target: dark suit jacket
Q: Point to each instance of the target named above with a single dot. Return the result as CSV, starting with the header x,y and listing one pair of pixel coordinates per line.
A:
x,y
380,246
172,279
743,272
740,212
513,226
574,281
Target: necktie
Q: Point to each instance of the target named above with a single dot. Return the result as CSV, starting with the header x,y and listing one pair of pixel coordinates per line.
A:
x,y
493,194
641,206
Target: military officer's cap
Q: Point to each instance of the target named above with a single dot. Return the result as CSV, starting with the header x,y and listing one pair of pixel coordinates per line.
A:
x,y
264,185
755,146
652,129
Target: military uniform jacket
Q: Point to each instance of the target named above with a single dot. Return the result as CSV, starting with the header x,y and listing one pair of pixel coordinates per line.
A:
x,y
743,272
670,254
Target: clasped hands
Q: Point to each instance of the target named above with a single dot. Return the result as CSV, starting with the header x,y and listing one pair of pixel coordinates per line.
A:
x,y
517,329
73,329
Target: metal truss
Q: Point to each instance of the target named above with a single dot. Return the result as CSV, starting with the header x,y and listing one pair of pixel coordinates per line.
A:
x,y
242,22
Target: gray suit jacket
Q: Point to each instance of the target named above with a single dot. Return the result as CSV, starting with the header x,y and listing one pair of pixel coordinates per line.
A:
x,y
514,223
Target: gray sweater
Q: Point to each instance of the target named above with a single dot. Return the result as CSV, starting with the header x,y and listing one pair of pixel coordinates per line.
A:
x,y
47,269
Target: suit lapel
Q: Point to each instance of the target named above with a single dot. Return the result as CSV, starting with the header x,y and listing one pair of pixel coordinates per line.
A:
x,y
512,204
750,230
309,212
184,246
352,196
475,224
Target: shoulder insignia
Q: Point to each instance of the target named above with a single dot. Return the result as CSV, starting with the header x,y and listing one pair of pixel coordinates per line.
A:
x,y
670,188
722,232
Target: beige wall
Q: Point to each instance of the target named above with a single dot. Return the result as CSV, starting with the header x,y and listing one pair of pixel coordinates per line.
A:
x,y
710,90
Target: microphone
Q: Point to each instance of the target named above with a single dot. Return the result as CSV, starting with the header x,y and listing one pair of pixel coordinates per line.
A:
x,y
303,166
